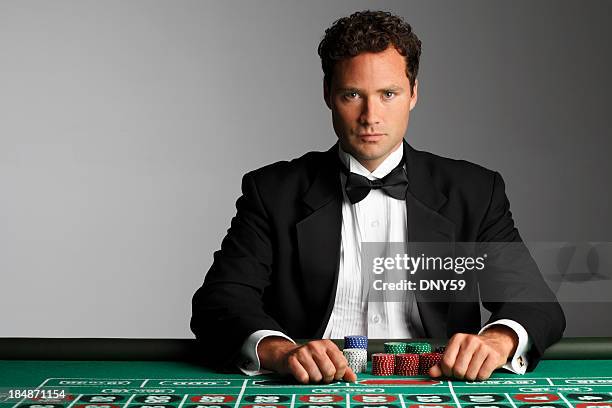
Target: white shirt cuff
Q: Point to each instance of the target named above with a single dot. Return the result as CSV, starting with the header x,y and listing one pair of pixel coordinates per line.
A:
x,y
250,364
518,363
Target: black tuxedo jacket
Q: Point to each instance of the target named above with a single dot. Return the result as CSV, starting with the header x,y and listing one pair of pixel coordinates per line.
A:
x,y
278,264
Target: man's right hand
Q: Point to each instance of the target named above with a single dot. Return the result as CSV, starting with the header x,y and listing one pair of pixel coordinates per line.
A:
x,y
313,362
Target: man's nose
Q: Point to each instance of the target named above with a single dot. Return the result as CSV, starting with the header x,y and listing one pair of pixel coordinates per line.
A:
x,y
370,112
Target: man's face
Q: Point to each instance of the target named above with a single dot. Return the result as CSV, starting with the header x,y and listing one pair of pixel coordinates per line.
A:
x,y
370,100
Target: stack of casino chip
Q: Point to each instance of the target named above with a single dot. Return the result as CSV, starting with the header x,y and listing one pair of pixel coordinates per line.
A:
x,y
356,342
395,347
383,364
418,348
428,360
356,352
407,364
357,359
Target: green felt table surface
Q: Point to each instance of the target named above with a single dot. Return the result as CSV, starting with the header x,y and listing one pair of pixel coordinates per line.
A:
x,y
32,373
562,381
150,373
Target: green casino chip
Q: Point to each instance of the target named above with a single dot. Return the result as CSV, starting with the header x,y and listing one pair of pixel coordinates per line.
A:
x,y
395,347
418,348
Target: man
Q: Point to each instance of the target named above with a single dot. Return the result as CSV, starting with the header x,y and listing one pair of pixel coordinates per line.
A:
x,y
288,267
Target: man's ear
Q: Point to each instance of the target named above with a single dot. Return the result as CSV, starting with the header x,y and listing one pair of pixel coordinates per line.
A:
x,y
326,95
414,96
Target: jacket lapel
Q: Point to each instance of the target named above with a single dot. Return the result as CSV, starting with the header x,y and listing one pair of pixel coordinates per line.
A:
x,y
318,239
427,225
423,200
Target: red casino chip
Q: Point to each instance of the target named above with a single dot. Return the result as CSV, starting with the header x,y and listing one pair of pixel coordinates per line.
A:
x,y
428,360
407,364
383,364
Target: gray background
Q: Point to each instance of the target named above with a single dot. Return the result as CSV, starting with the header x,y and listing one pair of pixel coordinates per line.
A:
x,y
125,128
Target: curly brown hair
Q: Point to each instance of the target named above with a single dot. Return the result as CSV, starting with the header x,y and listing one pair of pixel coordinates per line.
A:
x,y
369,31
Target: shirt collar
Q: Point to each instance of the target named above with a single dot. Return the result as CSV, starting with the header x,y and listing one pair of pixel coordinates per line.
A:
x,y
381,171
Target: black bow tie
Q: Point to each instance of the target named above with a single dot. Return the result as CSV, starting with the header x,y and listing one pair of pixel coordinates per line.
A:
x,y
394,184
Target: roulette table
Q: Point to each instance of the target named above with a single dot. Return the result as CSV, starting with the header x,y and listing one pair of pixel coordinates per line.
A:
x,y
140,373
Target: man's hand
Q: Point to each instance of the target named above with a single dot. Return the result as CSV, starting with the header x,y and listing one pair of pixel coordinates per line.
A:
x,y
313,362
475,357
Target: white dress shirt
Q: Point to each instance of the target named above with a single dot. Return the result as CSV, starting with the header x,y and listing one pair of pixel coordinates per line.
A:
x,y
376,218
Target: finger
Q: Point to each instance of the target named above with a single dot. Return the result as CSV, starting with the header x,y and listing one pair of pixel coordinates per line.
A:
x,y
478,358
450,354
349,375
339,362
467,350
487,368
435,371
306,360
326,366
296,369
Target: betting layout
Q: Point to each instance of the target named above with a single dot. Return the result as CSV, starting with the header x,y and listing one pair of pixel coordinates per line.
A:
x,y
368,392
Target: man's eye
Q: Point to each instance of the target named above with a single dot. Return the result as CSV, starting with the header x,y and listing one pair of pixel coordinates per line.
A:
x,y
389,94
351,95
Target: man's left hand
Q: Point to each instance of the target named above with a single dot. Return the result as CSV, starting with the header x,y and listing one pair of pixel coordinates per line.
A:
x,y
475,357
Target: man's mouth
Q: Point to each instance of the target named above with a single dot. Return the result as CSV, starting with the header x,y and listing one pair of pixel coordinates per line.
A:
x,y
370,137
